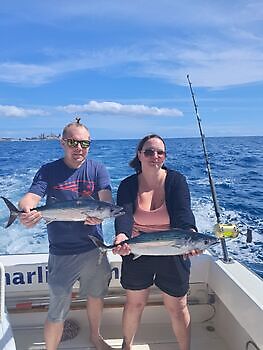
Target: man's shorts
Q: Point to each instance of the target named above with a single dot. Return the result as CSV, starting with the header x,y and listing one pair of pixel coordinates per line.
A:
x,y
169,273
64,270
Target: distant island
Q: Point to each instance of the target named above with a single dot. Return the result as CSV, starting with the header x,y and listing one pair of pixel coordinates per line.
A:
x,y
41,137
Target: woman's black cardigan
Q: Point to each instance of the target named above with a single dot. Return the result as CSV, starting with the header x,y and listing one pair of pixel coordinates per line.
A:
x,y
177,198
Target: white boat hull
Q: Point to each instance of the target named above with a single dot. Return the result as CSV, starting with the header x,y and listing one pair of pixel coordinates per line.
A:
x,y
225,302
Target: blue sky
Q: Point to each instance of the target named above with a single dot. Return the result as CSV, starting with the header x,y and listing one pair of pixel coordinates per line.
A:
x,y
121,65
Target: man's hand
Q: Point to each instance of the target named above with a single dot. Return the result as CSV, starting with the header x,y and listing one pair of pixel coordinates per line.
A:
x,y
92,221
30,218
121,249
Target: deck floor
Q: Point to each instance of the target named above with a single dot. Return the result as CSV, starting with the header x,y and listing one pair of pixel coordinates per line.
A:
x,y
153,334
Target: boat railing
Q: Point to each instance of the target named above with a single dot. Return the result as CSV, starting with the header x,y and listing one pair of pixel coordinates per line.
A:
x,y
199,293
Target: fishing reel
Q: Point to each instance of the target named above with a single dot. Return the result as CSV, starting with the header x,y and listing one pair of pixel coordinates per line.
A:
x,y
231,231
226,230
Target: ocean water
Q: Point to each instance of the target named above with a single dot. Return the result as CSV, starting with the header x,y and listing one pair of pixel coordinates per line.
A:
x,y
237,170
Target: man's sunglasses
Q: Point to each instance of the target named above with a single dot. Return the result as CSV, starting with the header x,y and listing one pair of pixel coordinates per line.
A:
x,y
74,143
150,152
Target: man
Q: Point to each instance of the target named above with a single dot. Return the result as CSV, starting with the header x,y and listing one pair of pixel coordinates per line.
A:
x,y
71,253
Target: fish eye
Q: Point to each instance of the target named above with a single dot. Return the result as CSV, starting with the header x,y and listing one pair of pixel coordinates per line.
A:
x,y
206,242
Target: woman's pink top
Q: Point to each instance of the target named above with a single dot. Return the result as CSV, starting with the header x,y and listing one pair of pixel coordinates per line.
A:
x,y
150,220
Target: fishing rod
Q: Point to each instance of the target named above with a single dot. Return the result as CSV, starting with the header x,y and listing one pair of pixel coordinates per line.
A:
x,y
221,230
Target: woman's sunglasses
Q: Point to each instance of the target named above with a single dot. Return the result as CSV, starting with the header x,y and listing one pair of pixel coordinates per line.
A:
x,y
150,152
74,143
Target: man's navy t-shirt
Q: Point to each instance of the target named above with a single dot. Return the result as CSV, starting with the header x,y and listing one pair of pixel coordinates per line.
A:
x,y
57,180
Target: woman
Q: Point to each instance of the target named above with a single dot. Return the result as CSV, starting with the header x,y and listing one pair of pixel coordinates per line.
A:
x,y
155,198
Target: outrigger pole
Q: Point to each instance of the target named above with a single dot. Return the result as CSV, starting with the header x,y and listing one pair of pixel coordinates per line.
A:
x,y
221,230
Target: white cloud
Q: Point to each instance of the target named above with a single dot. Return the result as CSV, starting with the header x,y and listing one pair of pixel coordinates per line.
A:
x,y
13,111
234,64
218,43
166,11
210,68
28,74
120,109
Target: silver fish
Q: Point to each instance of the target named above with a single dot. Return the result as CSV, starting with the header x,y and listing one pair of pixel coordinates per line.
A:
x,y
170,242
72,210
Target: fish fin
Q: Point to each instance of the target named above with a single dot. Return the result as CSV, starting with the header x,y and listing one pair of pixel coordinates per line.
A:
x,y
85,196
14,212
176,229
53,200
177,246
11,219
100,257
90,197
142,232
99,244
136,256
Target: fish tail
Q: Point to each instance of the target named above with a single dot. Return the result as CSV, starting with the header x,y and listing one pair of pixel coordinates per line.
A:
x,y
99,244
14,212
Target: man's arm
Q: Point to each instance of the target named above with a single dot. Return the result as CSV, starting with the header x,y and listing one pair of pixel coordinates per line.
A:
x,y
30,217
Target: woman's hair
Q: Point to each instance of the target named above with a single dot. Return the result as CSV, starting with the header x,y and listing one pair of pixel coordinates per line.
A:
x,y
76,123
135,163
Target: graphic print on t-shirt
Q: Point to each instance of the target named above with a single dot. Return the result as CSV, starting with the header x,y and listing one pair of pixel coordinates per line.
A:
x,y
85,188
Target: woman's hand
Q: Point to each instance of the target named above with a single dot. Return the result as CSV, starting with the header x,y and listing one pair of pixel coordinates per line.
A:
x,y
192,253
30,218
121,249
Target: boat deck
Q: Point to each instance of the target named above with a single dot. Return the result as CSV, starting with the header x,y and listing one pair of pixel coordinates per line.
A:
x,y
155,332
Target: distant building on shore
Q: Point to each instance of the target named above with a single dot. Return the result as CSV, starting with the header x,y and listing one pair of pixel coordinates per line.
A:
x,y
42,136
